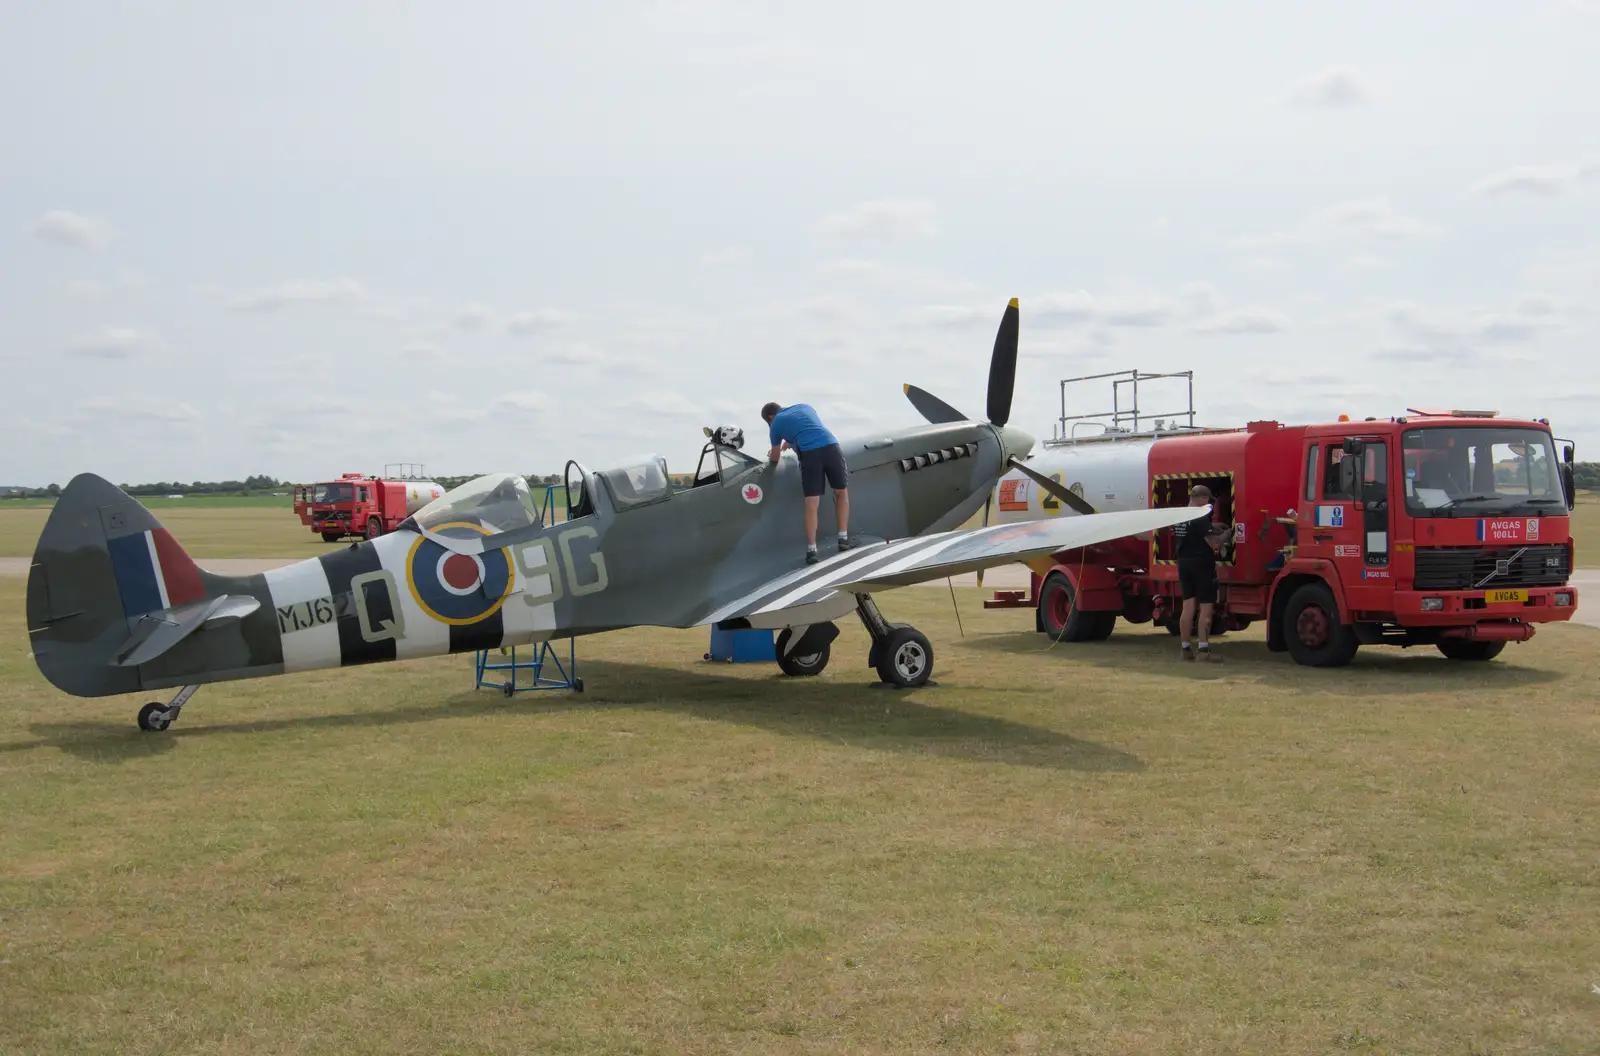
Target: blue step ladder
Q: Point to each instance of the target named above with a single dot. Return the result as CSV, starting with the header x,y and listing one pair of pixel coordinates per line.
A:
x,y
506,673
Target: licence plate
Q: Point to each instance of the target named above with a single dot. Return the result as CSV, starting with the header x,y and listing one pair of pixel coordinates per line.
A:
x,y
1502,597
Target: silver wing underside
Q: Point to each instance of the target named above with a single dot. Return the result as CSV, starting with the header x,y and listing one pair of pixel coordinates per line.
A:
x,y
827,589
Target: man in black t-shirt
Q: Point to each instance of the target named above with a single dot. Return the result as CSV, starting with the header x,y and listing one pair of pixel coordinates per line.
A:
x,y
1198,541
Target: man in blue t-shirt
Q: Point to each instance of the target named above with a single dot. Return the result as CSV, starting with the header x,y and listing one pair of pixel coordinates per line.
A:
x,y
821,460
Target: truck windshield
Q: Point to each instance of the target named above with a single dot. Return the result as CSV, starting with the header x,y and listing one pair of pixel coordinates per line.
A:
x,y
1472,470
334,493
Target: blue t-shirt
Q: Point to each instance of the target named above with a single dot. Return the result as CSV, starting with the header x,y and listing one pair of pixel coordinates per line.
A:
x,y
801,427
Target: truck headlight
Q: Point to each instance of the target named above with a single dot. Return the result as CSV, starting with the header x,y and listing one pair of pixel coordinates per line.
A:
x,y
1562,598
1432,604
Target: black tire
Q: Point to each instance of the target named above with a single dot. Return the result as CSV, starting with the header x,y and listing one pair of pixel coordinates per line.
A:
x,y
331,537
905,659
154,718
1057,607
1459,650
374,527
1314,630
800,666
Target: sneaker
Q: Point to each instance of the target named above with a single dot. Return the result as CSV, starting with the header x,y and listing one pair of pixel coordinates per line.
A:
x,y
1209,657
848,543
1185,653
811,557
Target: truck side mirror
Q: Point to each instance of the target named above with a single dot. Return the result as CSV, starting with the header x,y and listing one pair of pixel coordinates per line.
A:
x,y
1566,454
1569,485
1350,476
1353,446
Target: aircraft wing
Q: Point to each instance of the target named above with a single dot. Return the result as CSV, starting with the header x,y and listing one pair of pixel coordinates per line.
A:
x,y
882,566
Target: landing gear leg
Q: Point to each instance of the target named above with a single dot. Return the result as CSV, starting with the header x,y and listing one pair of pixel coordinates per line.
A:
x,y
902,655
155,717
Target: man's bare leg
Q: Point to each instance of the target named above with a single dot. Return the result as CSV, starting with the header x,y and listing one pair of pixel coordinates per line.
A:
x,y
811,519
1185,625
841,507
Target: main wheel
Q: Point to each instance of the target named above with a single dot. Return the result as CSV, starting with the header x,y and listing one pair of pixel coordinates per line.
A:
x,y
905,658
374,527
1312,628
800,666
154,717
1459,650
1061,619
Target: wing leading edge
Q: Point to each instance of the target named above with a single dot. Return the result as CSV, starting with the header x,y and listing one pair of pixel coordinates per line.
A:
x,y
906,562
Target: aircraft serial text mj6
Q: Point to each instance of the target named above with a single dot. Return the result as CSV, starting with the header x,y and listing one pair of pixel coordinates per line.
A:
x,y
116,606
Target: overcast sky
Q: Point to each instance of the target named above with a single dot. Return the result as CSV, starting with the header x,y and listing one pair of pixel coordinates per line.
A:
x,y
302,238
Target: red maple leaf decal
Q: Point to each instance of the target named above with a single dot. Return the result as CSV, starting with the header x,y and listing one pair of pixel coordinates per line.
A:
x,y
751,491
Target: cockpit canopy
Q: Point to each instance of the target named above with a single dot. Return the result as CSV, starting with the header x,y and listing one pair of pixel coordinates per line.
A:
x,y
498,502
637,481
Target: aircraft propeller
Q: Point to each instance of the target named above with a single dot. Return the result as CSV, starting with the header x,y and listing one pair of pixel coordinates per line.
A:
x,y
1002,383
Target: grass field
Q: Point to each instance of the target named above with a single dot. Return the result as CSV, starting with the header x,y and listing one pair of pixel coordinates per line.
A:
x,y
1085,849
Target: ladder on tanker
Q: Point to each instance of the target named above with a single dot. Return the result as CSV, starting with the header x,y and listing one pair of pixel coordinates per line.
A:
x,y
524,673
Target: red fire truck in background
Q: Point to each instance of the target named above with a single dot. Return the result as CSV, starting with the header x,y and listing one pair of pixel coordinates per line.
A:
x,y
1442,528
363,506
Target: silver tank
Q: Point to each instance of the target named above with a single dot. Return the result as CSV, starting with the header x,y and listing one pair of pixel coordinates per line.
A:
x,y
1111,475
418,493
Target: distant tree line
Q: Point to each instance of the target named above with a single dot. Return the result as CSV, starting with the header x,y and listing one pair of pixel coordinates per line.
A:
x,y
256,485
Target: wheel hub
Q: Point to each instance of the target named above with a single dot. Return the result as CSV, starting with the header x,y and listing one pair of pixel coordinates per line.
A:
x,y
1312,627
909,660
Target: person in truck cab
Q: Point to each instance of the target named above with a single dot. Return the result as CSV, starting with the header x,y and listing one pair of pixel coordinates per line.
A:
x,y
1198,541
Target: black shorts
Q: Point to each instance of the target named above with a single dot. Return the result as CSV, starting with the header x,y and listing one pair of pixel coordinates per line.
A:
x,y
823,463
1198,580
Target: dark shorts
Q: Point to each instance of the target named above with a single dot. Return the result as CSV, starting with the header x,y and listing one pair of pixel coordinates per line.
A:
x,y
1198,580
823,463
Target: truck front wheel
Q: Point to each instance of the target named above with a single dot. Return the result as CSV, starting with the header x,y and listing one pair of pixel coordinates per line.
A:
x,y
1456,649
1313,631
374,528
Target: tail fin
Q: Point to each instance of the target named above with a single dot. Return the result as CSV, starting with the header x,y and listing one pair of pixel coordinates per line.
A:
x,y
111,595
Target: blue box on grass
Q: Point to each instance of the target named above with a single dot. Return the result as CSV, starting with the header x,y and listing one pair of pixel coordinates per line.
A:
x,y
742,647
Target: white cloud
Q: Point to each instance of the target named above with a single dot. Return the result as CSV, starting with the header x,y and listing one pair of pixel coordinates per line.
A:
x,y
724,257
538,321
113,342
474,317
1368,262
98,289
883,221
1240,323
73,230
1548,181
1335,88
1363,219
300,291
1080,307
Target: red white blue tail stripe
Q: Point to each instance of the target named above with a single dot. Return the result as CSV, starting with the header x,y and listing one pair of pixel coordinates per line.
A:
x,y
153,573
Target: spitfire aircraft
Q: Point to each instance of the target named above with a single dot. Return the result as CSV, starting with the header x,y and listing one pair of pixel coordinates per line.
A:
x,y
115,605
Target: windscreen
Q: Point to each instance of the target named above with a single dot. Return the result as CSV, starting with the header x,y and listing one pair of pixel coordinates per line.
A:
x,y
1468,471
334,493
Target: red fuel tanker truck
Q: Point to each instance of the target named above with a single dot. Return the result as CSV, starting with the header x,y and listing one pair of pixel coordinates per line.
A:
x,y
1447,528
363,506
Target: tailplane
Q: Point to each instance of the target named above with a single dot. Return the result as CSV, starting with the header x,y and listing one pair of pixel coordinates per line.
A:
x,y
114,602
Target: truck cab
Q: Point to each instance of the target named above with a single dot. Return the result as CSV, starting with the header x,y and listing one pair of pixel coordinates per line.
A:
x,y
1442,528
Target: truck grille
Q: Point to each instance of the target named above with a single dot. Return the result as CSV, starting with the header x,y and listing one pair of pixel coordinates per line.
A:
x,y
1464,568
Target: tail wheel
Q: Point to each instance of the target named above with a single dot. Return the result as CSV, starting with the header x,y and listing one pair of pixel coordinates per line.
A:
x,y
374,527
1313,631
799,666
1459,650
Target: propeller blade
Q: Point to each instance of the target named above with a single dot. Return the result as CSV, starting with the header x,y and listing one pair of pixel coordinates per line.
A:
x,y
1003,366
1052,487
932,407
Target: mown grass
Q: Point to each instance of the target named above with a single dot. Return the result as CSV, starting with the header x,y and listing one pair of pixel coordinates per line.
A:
x,y
1087,849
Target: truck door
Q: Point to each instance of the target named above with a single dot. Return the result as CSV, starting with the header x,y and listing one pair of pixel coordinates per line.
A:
x,y
1375,504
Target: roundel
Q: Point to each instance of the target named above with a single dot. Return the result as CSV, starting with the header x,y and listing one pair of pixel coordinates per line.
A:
x,y
457,588
752,493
